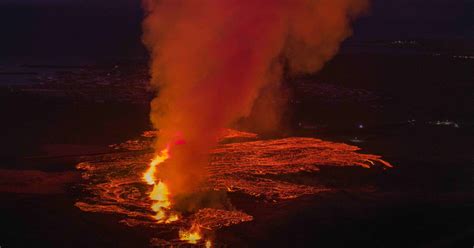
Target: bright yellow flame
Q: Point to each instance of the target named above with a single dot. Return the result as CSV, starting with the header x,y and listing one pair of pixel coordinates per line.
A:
x,y
208,244
160,215
160,193
149,175
160,196
172,218
192,235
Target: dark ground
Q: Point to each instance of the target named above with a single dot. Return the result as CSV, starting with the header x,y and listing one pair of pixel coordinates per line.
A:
x,y
427,200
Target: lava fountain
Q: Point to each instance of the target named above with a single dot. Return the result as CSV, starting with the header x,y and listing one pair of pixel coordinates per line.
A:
x,y
160,193
161,205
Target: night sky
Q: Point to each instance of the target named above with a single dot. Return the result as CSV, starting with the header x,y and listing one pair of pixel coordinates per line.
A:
x,y
46,28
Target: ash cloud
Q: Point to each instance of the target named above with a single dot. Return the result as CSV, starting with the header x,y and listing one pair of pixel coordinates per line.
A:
x,y
212,59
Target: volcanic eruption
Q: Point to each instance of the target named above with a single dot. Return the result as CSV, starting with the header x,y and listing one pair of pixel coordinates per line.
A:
x,y
236,123
211,60
214,62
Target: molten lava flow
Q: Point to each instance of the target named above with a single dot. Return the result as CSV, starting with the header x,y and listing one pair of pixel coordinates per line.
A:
x,y
160,193
192,236
278,169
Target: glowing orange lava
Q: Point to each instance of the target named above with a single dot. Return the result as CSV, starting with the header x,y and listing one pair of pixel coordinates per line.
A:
x,y
192,236
160,193
268,169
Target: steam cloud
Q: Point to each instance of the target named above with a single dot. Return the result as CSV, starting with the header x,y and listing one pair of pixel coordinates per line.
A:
x,y
211,60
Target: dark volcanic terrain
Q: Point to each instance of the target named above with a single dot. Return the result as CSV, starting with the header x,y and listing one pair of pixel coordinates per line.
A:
x,y
410,103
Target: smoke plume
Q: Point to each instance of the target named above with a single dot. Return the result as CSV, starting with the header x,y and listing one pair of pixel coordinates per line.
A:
x,y
211,60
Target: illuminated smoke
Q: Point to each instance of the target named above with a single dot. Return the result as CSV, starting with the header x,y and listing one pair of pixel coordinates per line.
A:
x,y
211,60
